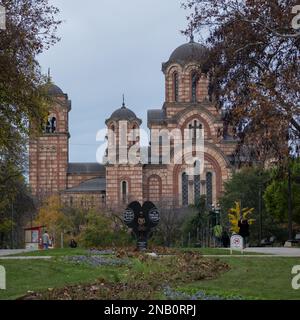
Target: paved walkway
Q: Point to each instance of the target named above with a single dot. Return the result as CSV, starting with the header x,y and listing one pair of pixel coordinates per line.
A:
x,y
26,258
280,251
7,255
13,251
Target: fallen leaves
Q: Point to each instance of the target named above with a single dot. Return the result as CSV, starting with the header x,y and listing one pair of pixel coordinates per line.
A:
x,y
145,278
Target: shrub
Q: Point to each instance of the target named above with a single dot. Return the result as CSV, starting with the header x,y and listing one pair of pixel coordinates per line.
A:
x,y
100,232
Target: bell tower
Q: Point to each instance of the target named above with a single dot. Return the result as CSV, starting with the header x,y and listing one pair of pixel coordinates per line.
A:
x,y
124,171
186,77
49,153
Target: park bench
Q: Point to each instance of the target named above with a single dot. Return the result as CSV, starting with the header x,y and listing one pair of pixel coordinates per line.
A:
x,y
268,242
297,239
294,242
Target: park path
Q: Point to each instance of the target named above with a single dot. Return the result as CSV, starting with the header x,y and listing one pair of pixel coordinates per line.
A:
x,y
8,252
6,255
26,258
277,251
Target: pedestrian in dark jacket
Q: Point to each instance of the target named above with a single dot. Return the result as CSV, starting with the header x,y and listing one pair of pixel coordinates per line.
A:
x,y
225,239
244,230
73,244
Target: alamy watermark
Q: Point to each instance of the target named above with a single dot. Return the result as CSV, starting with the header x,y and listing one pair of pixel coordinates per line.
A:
x,y
2,18
296,19
296,278
123,146
2,278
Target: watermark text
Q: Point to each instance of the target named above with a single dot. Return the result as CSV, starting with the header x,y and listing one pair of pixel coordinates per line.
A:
x,y
2,278
296,278
2,18
296,19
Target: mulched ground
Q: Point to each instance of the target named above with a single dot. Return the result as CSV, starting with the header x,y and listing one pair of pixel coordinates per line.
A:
x,y
177,268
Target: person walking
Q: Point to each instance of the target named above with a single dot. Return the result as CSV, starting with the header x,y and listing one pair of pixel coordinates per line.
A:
x,y
73,244
46,240
244,230
225,239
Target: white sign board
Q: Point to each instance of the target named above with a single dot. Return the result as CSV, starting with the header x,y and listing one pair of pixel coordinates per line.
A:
x,y
236,243
2,18
2,278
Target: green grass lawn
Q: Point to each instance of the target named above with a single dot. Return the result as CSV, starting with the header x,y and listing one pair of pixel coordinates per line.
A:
x,y
80,251
54,252
252,278
218,251
35,275
248,277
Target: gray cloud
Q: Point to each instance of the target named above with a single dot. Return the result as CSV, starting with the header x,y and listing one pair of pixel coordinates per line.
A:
x,y
109,48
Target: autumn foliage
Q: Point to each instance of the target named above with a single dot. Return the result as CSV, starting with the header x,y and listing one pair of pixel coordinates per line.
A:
x,y
254,71
236,214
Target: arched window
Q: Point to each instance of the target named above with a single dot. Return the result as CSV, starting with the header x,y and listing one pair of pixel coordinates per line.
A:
x,y
103,198
209,189
197,182
194,129
195,79
124,191
92,202
176,86
112,146
135,133
51,124
154,188
185,189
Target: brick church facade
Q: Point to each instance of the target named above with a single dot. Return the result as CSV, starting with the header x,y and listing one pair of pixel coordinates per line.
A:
x,y
188,104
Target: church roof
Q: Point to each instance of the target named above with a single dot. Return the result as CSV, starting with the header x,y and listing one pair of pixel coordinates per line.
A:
x,y
79,168
188,52
54,90
93,185
191,51
156,116
123,113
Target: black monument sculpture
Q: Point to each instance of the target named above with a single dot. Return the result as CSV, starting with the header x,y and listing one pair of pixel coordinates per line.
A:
x,y
142,220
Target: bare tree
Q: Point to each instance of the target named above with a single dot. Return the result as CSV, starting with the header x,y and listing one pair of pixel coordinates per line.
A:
x,y
254,69
169,229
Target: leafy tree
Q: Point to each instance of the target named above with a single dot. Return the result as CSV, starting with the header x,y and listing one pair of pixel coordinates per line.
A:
x,y
73,220
197,222
246,186
89,227
276,194
16,205
10,178
254,70
169,230
31,27
99,232
5,225
236,214
50,215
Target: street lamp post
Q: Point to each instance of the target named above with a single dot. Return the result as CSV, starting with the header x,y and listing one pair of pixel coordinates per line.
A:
x,y
290,215
218,213
12,230
260,211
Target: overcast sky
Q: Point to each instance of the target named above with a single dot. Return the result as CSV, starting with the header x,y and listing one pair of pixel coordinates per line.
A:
x,y
107,48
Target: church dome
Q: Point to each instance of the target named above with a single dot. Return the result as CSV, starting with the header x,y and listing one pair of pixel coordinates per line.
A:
x,y
123,113
191,51
188,52
54,90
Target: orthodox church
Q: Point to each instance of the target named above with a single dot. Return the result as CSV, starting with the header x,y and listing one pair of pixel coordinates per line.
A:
x,y
189,104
